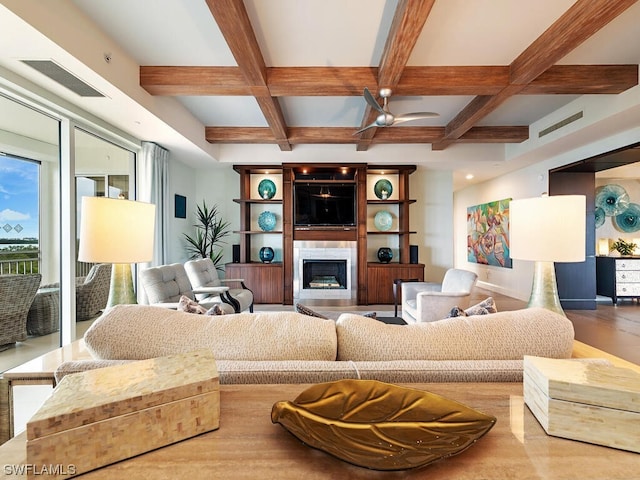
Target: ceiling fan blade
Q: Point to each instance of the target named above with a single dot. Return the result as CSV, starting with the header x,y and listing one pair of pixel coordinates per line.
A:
x,y
372,101
408,117
374,124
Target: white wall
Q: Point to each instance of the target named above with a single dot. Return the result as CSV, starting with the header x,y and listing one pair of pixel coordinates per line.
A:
x,y
217,185
181,182
432,218
524,183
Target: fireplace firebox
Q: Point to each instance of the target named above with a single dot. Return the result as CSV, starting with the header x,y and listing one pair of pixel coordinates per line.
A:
x,y
325,272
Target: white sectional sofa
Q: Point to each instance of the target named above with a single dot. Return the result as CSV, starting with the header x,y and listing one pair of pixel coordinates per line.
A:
x,y
288,347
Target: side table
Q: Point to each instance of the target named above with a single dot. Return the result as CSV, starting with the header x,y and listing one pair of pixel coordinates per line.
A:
x,y
39,371
44,315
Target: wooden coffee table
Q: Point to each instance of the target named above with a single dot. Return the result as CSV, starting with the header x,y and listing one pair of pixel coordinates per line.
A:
x,y
248,446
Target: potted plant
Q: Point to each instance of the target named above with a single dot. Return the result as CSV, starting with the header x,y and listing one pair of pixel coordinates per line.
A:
x,y
210,230
624,248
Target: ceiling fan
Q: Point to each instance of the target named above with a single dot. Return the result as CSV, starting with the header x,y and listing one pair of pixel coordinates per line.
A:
x,y
386,118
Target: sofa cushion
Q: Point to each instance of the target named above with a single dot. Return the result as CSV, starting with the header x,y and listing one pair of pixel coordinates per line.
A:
x,y
137,332
498,336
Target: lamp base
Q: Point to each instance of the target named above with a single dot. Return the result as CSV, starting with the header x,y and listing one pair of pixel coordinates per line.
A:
x,y
121,288
544,291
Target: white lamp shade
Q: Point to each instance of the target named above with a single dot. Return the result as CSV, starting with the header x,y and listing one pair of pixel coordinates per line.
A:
x,y
548,229
116,231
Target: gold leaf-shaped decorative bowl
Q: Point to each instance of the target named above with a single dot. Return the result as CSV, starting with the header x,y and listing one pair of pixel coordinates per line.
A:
x,y
379,425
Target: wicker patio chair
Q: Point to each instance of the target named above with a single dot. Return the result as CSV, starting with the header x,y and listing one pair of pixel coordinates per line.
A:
x,y
92,291
16,295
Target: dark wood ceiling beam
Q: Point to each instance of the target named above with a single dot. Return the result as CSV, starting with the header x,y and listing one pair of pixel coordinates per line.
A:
x,y
233,21
175,81
488,134
452,80
584,79
583,19
416,81
253,135
344,135
406,26
321,81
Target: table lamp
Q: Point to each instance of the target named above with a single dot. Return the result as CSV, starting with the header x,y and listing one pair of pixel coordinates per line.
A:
x,y
547,229
119,232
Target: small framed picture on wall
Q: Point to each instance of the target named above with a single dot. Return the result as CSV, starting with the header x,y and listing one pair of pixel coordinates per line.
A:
x,y
180,206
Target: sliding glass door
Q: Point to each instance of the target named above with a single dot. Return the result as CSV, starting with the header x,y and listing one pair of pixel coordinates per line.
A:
x,y
30,221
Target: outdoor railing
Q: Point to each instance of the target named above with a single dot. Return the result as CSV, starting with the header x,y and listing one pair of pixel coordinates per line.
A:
x,y
24,264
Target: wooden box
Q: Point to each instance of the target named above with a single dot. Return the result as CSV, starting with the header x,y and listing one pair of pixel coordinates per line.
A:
x,y
105,415
587,401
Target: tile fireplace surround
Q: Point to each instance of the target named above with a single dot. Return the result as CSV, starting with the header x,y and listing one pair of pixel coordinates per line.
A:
x,y
331,259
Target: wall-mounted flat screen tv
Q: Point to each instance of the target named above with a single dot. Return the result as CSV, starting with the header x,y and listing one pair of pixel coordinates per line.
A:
x,y
330,204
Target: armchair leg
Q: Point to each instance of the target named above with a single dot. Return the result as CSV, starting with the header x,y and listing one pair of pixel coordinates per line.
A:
x,y
396,282
227,298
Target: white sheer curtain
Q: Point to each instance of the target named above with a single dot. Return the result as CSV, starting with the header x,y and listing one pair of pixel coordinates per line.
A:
x,y
153,184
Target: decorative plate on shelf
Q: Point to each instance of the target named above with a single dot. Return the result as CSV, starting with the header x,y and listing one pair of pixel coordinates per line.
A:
x,y
383,220
266,189
381,426
267,221
383,189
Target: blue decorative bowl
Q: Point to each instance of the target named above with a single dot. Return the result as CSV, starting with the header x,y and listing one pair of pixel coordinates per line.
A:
x,y
267,221
383,221
383,189
266,254
266,189
385,254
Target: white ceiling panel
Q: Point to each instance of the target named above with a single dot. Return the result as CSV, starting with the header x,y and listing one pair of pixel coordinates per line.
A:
x,y
225,111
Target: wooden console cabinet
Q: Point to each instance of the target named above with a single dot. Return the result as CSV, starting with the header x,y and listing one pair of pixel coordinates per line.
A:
x,y
263,279
380,277
618,277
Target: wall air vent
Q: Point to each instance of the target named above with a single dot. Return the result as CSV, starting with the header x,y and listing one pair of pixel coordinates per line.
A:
x,y
58,74
560,124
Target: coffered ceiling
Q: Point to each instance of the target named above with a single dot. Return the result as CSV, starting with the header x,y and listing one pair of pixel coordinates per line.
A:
x,y
284,73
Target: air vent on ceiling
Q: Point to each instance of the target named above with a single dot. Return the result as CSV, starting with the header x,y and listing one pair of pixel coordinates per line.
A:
x,y
58,74
560,124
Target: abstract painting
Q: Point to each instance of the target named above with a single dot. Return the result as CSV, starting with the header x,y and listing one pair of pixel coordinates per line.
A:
x,y
488,233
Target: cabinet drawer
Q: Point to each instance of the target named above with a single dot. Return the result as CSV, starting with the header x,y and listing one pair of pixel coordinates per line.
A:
x,y
628,290
628,264
628,276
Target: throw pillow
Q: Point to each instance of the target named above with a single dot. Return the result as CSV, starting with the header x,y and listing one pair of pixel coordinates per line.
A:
x,y
215,310
483,308
312,313
190,306
456,312
307,311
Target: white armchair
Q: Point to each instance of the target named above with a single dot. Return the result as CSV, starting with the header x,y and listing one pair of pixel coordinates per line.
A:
x,y
203,275
427,302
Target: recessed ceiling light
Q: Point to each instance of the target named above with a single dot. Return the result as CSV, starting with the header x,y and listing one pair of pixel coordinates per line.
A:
x,y
469,176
